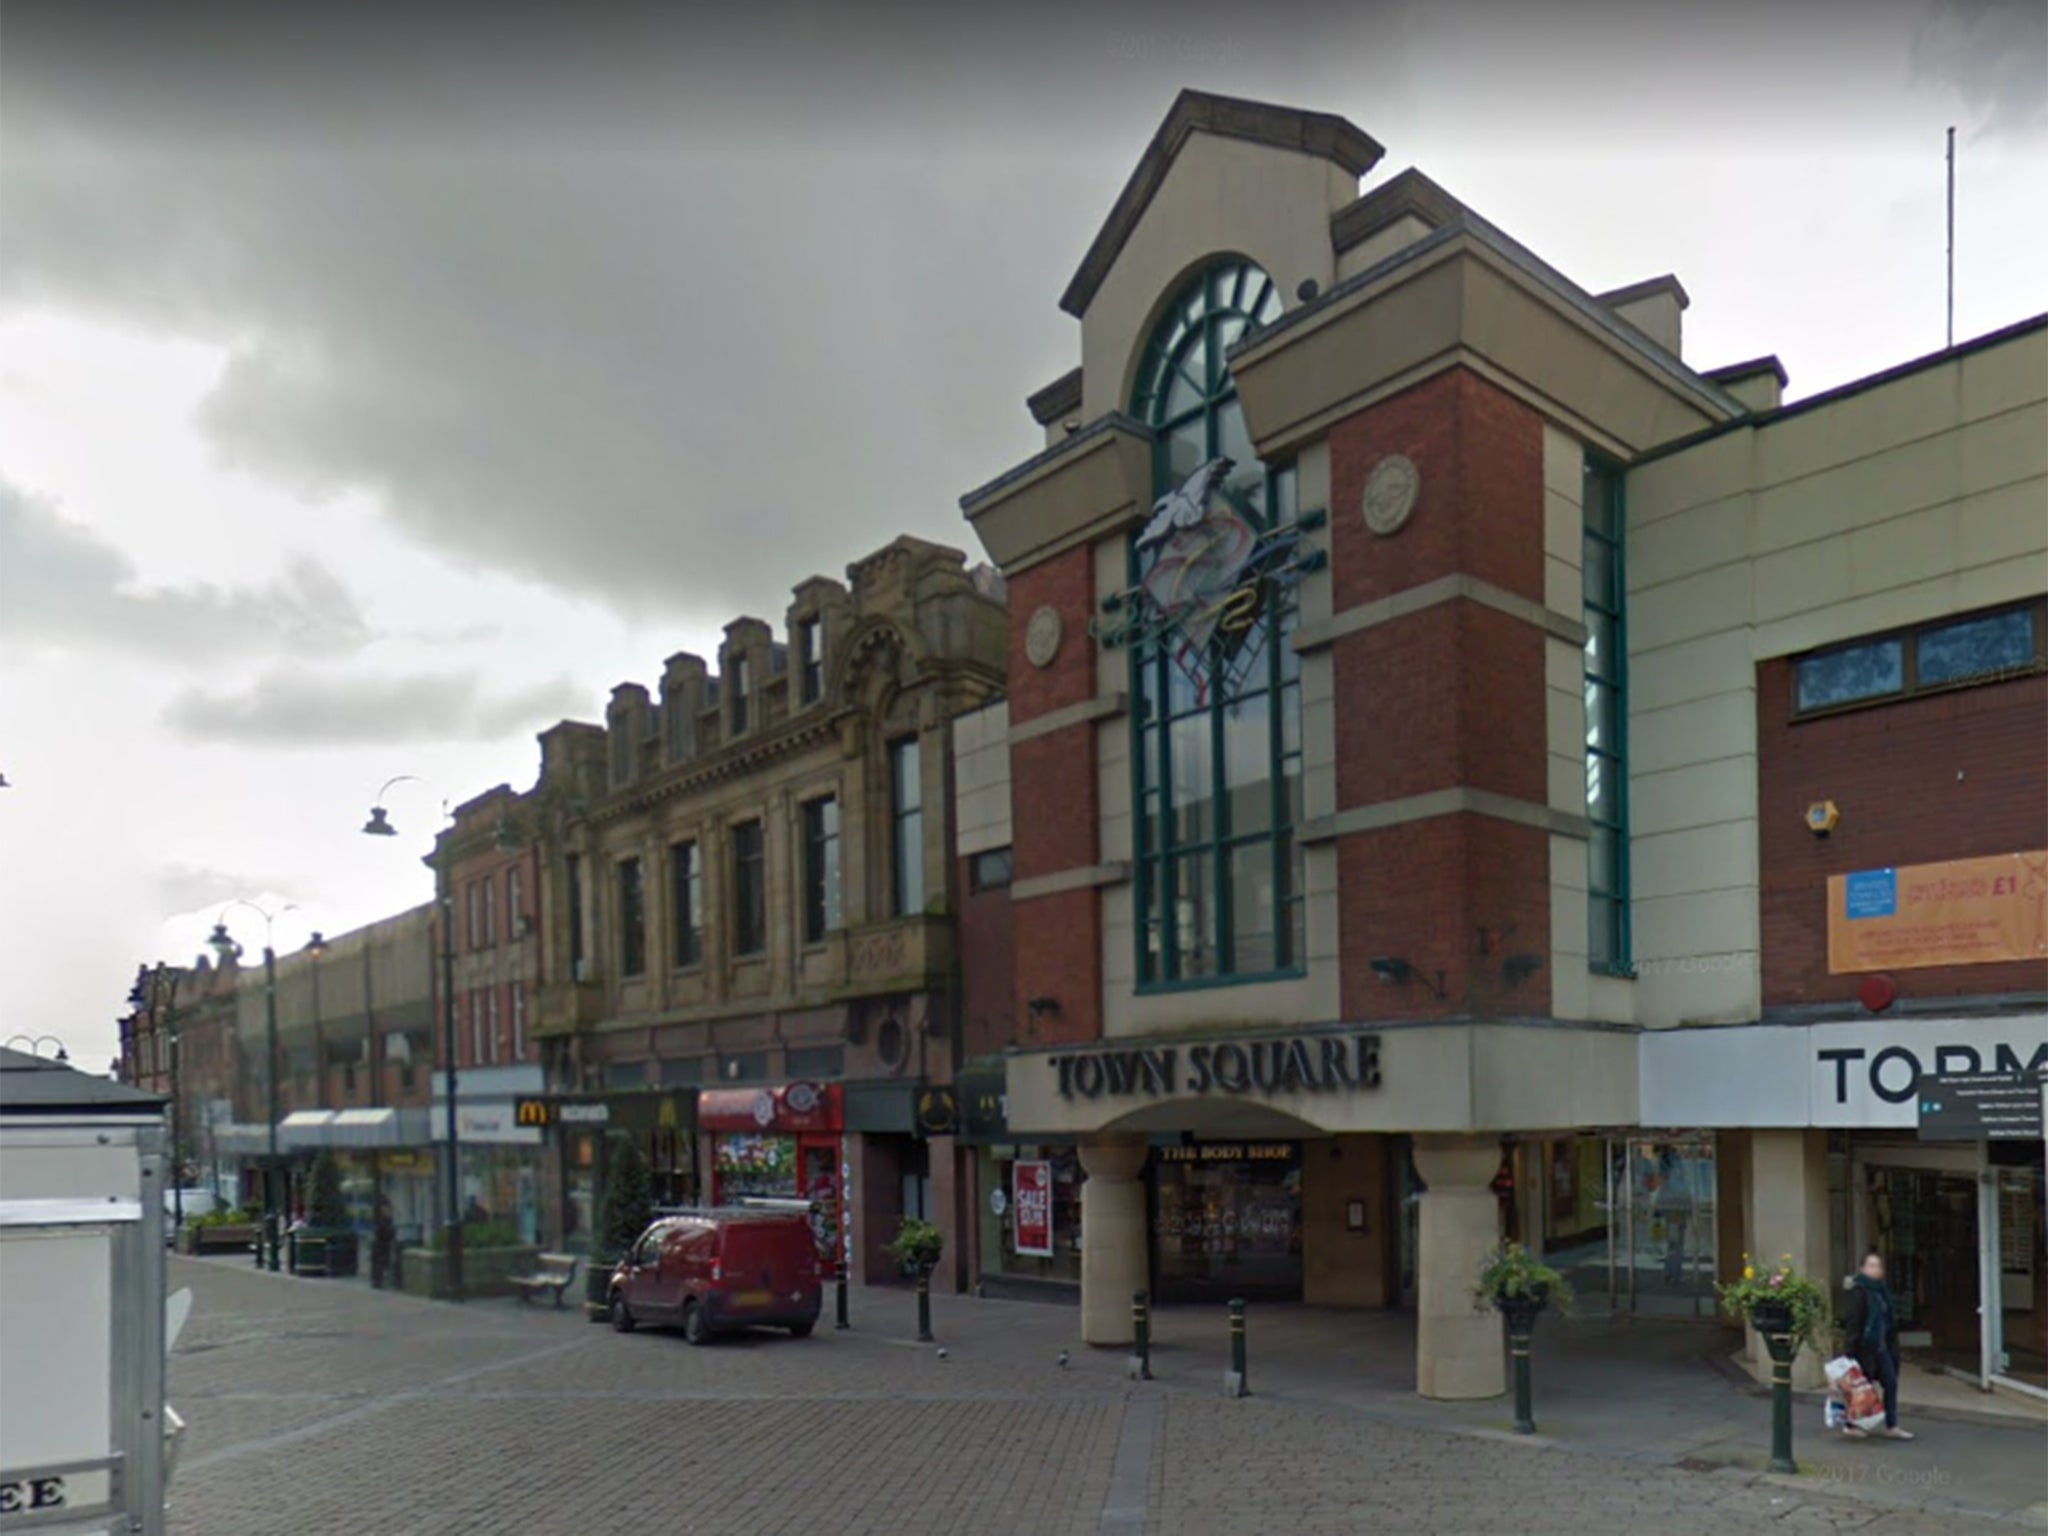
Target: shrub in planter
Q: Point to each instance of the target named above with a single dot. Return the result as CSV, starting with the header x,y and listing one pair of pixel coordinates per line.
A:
x,y
1776,1299
1511,1279
918,1246
628,1208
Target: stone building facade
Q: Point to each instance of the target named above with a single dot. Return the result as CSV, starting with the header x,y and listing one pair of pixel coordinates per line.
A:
x,y
749,903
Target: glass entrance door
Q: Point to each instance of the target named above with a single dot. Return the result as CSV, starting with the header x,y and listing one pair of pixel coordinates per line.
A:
x,y
1663,1252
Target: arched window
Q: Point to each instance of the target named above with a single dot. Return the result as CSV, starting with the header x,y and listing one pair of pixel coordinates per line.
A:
x,y
1216,708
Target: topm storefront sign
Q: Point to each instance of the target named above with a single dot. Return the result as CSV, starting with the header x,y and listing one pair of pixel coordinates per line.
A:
x,y
1858,1073
1961,912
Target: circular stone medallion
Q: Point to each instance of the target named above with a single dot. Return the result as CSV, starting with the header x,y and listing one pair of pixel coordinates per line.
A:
x,y
1390,492
1042,637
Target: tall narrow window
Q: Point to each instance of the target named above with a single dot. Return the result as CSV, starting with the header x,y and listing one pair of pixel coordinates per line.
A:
x,y
821,868
471,924
1216,713
810,650
1607,929
519,1021
749,890
736,672
574,867
632,918
490,888
686,898
906,826
476,1030
491,1025
678,726
515,903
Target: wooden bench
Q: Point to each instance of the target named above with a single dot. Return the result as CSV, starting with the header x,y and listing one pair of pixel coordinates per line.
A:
x,y
557,1273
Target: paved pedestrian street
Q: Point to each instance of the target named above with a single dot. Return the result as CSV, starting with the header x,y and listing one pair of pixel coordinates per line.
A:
x,y
327,1407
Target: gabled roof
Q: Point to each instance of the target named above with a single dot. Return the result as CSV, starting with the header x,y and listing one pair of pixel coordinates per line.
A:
x,y
1256,122
32,1085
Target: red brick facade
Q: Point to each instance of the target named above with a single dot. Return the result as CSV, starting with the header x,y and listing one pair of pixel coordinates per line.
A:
x,y
1955,775
1449,696
1055,807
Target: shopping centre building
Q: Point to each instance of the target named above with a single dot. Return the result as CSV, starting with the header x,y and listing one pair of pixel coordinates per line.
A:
x,y
1468,770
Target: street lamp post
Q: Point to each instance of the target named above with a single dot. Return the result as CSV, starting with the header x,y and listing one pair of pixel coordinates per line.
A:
x,y
33,1044
379,825
225,946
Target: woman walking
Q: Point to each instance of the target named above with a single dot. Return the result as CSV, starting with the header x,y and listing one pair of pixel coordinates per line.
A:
x,y
1870,1323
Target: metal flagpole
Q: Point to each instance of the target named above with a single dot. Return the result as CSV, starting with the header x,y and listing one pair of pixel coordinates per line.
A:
x,y
1951,237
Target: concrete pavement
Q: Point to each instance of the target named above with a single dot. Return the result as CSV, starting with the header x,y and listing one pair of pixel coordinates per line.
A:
x,y
318,1406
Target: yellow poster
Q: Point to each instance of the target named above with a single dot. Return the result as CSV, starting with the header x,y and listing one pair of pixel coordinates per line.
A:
x,y
1962,912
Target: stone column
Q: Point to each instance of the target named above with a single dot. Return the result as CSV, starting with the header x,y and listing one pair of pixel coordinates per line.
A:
x,y
1458,1349
1113,1253
1788,1213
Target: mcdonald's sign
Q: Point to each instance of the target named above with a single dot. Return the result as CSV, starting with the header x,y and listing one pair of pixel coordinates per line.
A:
x,y
539,1113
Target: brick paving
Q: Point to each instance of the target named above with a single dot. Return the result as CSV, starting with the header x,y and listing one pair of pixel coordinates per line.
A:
x,y
331,1408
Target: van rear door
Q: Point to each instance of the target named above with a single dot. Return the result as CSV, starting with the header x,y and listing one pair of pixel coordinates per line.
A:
x,y
765,1263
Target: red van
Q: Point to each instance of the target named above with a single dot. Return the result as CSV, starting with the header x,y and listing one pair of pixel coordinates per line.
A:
x,y
715,1271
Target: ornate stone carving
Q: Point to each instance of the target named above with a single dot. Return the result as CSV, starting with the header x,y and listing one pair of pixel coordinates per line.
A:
x,y
1390,492
1042,637
879,954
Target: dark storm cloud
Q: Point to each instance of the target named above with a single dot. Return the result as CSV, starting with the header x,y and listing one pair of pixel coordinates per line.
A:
x,y
62,586
300,707
631,307
1995,52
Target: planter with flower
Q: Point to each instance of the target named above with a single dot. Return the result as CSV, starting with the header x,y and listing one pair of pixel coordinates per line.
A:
x,y
1518,1285
1777,1301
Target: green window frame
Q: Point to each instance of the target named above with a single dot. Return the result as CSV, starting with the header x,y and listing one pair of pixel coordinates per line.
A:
x,y
1216,770
1608,938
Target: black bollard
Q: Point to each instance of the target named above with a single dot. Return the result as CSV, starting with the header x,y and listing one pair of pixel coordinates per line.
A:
x,y
1234,1380
839,1303
1141,1338
924,1304
1783,1347
1518,1344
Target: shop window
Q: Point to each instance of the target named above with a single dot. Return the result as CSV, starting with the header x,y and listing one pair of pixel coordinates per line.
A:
x,y
1051,1217
632,918
1946,653
682,1071
743,1067
1227,1221
810,649
686,896
989,870
1606,693
815,1061
749,891
1218,767
821,869
906,824
624,1076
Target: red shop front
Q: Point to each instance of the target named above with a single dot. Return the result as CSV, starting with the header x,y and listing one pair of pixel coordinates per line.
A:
x,y
777,1143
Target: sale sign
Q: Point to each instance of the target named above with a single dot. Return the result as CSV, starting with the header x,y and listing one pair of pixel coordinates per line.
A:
x,y
1031,1207
1963,912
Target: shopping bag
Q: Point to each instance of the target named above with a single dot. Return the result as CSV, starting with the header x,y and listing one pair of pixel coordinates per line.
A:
x,y
1862,1403
1834,1413
1839,1367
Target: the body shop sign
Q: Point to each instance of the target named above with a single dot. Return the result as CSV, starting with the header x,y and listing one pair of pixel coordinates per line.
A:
x,y
1031,1207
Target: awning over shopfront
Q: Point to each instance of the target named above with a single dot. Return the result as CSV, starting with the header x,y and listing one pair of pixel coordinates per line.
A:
x,y
239,1139
305,1128
372,1128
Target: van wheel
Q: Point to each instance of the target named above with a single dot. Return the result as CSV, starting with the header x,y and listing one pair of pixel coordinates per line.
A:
x,y
695,1329
622,1319
802,1330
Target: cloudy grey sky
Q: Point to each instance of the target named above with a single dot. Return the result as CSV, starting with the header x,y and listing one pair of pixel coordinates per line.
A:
x,y
379,384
